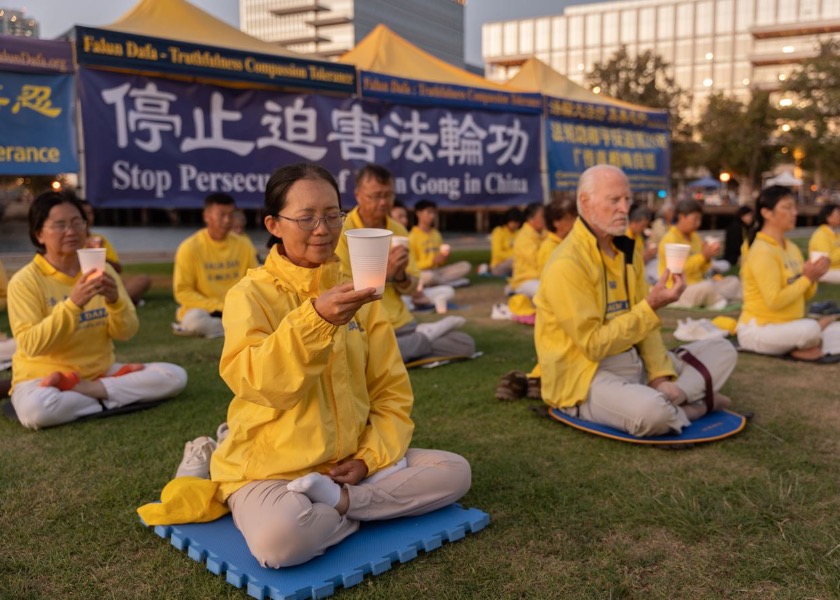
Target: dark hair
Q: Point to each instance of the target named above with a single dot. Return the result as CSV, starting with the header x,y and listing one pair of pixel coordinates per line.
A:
x,y
826,211
768,198
424,204
532,209
377,172
399,204
743,211
281,181
40,209
513,214
219,198
687,207
640,213
558,210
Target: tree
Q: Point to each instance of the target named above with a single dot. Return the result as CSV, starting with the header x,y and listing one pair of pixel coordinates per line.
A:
x,y
814,112
738,137
644,79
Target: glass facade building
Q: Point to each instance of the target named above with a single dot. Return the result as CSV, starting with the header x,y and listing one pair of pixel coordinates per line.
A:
x,y
329,28
16,22
712,46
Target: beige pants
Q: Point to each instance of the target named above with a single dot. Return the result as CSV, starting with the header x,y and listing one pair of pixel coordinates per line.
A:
x,y
200,322
619,396
833,276
284,528
776,339
503,269
445,274
38,407
709,291
7,349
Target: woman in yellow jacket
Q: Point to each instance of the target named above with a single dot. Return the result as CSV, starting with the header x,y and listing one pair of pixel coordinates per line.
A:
x,y
777,284
320,426
64,322
826,240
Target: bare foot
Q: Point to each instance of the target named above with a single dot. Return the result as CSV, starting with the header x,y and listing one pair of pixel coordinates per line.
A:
x,y
807,353
62,381
695,410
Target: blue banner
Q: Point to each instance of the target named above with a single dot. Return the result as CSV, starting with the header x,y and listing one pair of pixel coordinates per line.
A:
x,y
161,143
29,55
579,135
37,133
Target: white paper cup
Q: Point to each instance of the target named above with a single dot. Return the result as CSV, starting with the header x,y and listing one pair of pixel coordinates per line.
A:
x,y
815,255
369,249
91,258
399,240
445,249
675,257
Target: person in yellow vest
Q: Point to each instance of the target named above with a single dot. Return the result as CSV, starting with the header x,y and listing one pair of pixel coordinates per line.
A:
x,y
319,429
777,283
135,285
826,240
597,332
64,322
713,294
207,265
375,197
502,239
560,216
526,248
7,344
430,254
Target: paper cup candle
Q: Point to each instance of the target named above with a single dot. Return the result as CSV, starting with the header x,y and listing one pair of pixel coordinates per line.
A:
x,y
92,258
368,250
675,257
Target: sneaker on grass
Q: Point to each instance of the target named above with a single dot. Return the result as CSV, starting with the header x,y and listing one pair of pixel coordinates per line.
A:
x,y
196,461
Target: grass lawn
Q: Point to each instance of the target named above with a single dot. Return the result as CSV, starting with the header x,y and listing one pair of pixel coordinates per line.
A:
x,y
573,515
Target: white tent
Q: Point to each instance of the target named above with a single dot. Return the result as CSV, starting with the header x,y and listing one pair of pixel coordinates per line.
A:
x,y
785,179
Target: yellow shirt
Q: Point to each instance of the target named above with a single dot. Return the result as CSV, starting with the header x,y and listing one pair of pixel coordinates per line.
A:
x,y
206,269
394,306
424,247
502,240
774,289
696,265
307,394
576,328
111,255
53,334
4,284
526,248
547,246
825,239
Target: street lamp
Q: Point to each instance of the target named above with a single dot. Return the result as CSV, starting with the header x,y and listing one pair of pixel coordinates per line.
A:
x,y
724,180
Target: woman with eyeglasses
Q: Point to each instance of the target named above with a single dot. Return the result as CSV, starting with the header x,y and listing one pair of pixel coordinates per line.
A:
x,y
320,425
64,322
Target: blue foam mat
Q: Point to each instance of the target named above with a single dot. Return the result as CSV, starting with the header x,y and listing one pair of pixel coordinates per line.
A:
x,y
708,428
372,550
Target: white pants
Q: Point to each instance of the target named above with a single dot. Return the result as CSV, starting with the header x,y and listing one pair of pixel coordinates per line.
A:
x,y
529,288
38,407
284,528
7,349
833,276
198,321
707,292
776,339
445,274
619,396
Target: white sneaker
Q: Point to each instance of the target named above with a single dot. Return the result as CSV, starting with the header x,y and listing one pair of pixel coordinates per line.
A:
x,y
483,269
196,461
440,328
221,433
501,312
719,305
692,330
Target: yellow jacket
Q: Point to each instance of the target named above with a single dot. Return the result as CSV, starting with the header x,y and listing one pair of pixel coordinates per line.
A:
x,y
825,239
547,246
424,247
111,255
4,284
395,308
572,335
307,394
502,240
696,265
525,251
206,269
53,334
774,289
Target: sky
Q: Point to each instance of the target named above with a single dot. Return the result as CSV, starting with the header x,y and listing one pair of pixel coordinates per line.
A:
x,y
57,16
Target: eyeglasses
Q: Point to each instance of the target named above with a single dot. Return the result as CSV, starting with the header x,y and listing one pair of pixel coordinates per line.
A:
x,y
386,196
334,220
63,226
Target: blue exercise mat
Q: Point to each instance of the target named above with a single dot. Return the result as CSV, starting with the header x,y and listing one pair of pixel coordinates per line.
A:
x,y
708,428
370,551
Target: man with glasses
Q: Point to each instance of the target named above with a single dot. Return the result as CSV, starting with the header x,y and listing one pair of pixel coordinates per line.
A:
x,y
375,198
207,265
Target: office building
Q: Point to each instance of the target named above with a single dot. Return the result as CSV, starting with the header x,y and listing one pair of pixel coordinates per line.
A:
x,y
16,22
329,28
712,46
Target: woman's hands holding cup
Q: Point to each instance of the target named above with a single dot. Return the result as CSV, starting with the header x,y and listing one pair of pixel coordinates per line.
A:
x,y
339,304
814,269
94,283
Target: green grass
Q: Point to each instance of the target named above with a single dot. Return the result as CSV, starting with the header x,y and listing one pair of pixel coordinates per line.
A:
x,y
573,515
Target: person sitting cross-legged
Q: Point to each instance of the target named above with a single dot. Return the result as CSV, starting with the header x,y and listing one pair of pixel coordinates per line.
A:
x,y
526,269
207,265
597,333
64,322
825,240
502,240
777,283
429,252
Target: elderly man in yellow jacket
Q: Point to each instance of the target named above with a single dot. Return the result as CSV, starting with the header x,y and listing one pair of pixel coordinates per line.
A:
x,y
597,331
